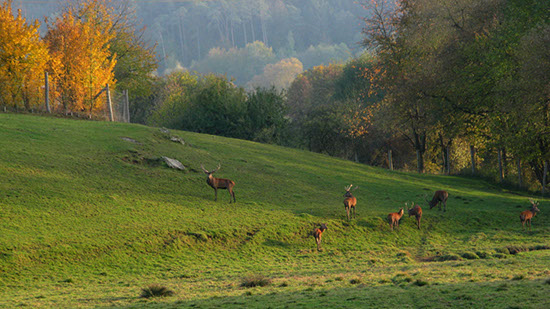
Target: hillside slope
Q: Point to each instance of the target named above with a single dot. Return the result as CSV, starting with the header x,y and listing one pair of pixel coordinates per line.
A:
x,y
89,217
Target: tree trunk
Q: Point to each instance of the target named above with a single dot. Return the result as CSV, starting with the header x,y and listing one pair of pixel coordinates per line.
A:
x,y
244,33
544,177
473,158
443,153
500,174
252,29
182,44
448,172
390,160
504,160
419,161
519,172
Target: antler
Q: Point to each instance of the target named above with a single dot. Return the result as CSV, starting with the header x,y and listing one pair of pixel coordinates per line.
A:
x,y
204,169
348,187
219,166
535,203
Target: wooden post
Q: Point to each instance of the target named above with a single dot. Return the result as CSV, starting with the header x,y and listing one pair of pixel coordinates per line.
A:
x,y
390,160
473,158
47,92
519,172
544,175
500,173
109,104
127,105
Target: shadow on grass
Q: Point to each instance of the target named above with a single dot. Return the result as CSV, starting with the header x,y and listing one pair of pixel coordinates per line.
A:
x,y
499,294
276,243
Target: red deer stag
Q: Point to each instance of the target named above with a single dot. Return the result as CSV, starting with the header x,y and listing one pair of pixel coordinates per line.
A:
x,y
220,183
440,197
394,217
415,211
318,233
350,201
527,215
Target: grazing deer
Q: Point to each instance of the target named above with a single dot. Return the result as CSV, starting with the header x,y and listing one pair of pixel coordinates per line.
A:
x,y
415,211
394,217
318,233
350,201
220,183
439,198
527,215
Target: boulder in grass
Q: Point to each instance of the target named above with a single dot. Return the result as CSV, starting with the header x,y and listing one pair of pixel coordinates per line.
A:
x,y
173,163
177,139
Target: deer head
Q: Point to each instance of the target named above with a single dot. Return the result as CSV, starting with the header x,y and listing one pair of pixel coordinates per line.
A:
x,y
212,171
348,190
534,206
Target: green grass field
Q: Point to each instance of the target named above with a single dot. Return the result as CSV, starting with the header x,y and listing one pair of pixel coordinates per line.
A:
x,y
88,219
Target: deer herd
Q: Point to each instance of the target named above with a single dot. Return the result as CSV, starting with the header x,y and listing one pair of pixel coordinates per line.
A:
x,y
439,198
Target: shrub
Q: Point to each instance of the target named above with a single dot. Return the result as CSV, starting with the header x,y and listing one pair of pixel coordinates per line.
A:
x,y
447,257
420,282
470,256
256,280
499,255
355,281
517,249
156,290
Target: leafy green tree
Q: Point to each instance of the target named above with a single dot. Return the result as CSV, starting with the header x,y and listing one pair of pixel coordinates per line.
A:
x,y
266,116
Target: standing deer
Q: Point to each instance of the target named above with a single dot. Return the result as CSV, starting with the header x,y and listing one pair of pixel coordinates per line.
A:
x,y
527,215
318,233
439,198
415,211
394,217
350,201
220,183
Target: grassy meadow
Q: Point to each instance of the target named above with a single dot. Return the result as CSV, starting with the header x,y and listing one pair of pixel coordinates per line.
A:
x,y
88,218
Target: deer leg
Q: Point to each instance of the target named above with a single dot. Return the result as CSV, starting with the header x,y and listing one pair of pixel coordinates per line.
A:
x,y
354,213
347,213
216,192
445,206
418,222
230,195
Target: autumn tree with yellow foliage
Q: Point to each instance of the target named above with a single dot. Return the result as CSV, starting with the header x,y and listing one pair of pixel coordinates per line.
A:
x,y
23,58
82,63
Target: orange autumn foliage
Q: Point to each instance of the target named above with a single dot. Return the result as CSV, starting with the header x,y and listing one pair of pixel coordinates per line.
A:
x,y
23,58
81,63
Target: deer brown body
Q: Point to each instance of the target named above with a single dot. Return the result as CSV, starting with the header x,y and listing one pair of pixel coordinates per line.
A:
x,y
394,217
318,233
527,215
415,211
220,183
349,202
440,197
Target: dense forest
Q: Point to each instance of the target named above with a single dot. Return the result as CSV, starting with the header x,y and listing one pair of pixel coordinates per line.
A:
x,y
459,86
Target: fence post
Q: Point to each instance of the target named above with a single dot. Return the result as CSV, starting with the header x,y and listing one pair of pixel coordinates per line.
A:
x,y
109,104
47,92
127,106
